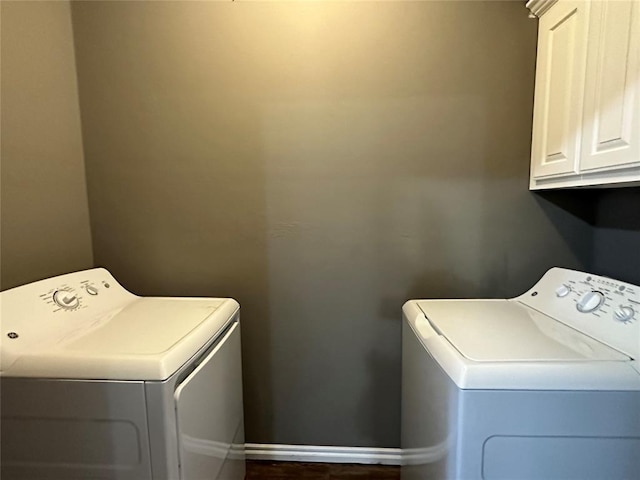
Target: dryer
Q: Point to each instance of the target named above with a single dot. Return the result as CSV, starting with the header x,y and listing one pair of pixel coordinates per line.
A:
x,y
99,383
542,386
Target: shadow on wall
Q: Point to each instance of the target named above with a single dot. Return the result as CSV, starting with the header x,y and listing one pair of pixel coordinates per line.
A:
x,y
442,284
619,208
384,375
580,203
572,214
609,220
616,251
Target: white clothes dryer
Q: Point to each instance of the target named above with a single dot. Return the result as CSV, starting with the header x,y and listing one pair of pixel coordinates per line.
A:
x,y
543,386
99,383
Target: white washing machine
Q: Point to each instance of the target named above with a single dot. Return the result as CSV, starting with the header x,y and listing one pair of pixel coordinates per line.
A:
x,y
543,386
97,383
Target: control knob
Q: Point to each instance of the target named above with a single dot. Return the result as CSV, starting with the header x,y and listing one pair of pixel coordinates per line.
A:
x,y
91,290
624,313
66,299
590,301
563,291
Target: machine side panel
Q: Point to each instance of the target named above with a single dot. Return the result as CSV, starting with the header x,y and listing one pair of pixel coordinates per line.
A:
x,y
67,429
429,416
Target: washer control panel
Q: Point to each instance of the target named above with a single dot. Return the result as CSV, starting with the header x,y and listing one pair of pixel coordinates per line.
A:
x,y
605,309
598,295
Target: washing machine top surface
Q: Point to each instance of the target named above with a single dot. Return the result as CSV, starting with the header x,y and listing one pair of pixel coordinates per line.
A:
x,y
85,325
506,331
570,331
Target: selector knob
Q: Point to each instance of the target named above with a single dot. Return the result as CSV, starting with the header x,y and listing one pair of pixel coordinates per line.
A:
x,y
624,313
91,290
66,299
590,301
563,291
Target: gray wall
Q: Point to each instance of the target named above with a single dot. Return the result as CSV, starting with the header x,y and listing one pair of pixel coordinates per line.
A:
x,y
322,163
43,199
616,250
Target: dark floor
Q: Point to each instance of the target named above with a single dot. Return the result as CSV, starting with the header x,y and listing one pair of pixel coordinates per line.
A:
x,y
258,470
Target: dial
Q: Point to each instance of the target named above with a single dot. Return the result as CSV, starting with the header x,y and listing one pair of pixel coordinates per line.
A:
x,y
590,301
91,290
563,291
624,313
66,299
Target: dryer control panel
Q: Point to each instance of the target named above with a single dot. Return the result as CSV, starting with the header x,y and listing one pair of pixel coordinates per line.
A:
x,y
95,289
605,309
55,309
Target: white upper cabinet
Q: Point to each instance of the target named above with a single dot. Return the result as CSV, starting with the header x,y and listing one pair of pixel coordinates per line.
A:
x,y
559,86
612,91
586,121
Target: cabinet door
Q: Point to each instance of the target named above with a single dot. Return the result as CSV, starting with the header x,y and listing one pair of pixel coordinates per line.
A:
x,y
611,124
559,89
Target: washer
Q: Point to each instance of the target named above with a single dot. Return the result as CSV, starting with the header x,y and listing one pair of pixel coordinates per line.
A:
x,y
99,383
543,386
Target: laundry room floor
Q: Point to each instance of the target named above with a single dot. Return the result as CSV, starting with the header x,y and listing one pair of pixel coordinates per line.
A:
x,y
266,470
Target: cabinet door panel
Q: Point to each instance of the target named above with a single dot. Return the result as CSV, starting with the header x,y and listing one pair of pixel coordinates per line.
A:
x,y
559,88
612,98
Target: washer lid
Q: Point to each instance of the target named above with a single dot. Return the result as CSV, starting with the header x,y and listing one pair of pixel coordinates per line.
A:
x,y
507,331
144,339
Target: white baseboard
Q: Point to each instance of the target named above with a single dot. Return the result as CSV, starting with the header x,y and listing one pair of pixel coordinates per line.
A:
x,y
322,454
